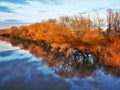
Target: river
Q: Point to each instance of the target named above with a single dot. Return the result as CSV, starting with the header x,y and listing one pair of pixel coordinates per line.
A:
x,y
21,70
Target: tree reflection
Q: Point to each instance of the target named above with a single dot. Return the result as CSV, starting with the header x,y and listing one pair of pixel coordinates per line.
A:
x,y
78,64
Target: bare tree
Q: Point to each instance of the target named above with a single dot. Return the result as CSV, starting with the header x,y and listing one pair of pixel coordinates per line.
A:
x,y
113,20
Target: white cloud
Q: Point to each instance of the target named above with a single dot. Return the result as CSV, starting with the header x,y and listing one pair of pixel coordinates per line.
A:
x,y
31,12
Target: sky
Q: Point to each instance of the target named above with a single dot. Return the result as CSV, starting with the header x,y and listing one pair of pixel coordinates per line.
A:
x,y
17,12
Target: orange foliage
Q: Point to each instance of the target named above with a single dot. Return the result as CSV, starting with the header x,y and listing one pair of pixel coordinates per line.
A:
x,y
73,32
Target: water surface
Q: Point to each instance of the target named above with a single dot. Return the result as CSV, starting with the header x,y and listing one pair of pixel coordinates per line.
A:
x,y
21,70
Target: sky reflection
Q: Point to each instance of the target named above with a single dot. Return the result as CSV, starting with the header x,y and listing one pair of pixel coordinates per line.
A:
x,y
25,71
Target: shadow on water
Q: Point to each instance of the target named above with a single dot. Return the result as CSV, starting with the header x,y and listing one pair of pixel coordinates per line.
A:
x,y
53,70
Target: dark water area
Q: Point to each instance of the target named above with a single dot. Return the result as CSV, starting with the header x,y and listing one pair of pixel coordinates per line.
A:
x,y
37,69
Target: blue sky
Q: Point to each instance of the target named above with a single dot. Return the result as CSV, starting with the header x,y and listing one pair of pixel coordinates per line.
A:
x,y
30,11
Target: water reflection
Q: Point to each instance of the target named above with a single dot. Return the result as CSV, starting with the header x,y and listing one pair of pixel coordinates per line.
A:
x,y
65,66
20,70
28,73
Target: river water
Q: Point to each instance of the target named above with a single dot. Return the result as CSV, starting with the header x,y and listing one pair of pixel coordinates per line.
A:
x,y
21,70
